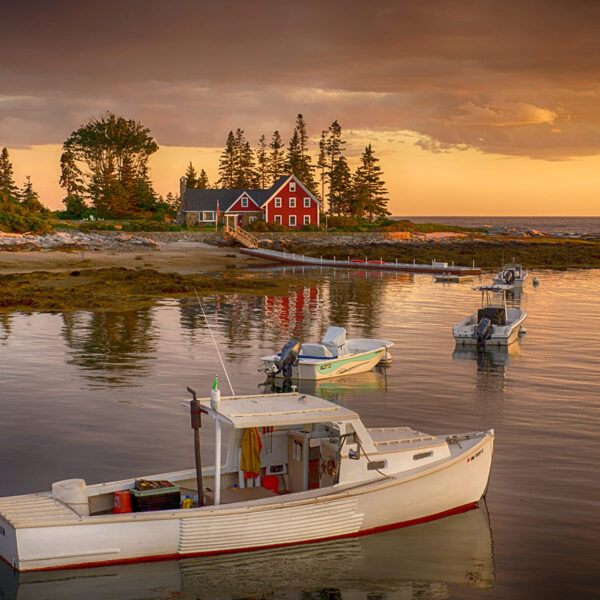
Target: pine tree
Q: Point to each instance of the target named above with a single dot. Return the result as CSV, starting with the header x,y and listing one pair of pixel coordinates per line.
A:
x,y
262,163
370,193
322,161
191,177
30,200
7,180
227,163
202,181
342,186
276,158
334,146
299,161
246,171
72,180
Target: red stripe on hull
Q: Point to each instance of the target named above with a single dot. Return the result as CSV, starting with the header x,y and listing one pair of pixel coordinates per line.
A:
x,y
381,529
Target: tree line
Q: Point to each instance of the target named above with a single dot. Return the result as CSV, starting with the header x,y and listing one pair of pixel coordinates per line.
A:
x,y
360,194
20,208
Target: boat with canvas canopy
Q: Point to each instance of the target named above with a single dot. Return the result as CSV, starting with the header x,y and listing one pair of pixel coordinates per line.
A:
x,y
494,324
333,357
298,469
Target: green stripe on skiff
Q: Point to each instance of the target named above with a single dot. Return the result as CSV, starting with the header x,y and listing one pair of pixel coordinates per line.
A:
x,y
334,364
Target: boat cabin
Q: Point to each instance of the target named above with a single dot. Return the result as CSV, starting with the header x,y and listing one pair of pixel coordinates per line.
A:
x,y
493,303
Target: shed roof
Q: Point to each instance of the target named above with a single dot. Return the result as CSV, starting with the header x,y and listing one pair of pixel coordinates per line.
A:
x,y
278,409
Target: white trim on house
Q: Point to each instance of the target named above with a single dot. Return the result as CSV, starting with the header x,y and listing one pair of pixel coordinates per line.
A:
x,y
212,216
277,203
291,202
290,223
306,220
307,204
274,194
244,201
252,218
277,219
292,186
241,197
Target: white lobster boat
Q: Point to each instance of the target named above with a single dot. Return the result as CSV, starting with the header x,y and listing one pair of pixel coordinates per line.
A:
x,y
494,324
512,275
334,479
333,357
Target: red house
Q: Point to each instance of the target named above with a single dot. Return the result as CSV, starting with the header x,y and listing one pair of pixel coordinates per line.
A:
x,y
287,202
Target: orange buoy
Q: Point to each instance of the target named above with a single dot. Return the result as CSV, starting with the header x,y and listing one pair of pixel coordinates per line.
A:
x,y
122,502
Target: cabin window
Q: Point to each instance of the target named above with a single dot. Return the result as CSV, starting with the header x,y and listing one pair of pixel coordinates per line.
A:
x,y
306,202
307,219
244,202
377,464
251,219
278,219
292,220
422,455
277,202
292,202
208,215
292,186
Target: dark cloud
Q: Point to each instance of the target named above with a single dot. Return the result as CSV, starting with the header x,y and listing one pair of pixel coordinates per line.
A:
x,y
517,78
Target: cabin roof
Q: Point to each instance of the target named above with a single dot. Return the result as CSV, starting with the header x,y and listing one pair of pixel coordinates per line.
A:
x,y
266,410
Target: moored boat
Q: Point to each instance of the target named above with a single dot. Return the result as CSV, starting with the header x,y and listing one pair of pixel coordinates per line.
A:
x,y
333,357
494,324
317,474
512,275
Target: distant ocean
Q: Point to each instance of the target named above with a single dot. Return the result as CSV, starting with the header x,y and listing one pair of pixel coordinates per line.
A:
x,y
578,225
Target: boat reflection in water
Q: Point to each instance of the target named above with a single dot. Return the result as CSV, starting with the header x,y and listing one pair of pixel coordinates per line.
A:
x,y
331,389
405,563
489,359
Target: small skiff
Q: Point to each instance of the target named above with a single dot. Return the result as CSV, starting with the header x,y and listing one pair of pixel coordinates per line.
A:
x,y
512,275
333,357
494,324
321,474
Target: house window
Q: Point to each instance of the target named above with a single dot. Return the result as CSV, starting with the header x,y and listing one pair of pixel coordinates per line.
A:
x,y
307,219
278,219
292,202
252,218
208,216
306,202
292,220
277,202
244,202
292,186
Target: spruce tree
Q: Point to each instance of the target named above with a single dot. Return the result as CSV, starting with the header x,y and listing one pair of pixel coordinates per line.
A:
x,y
276,158
191,177
227,163
262,163
322,162
246,170
30,200
334,146
370,192
7,180
342,186
202,181
299,161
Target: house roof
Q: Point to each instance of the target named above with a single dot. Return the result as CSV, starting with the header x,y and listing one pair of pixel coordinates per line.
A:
x,y
200,200
278,409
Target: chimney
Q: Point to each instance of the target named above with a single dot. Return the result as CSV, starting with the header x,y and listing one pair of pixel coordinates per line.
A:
x,y
182,188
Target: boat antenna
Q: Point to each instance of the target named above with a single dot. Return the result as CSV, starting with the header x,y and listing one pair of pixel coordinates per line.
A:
x,y
215,343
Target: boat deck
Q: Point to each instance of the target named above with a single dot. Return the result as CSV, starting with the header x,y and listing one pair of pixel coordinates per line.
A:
x,y
34,509
388,439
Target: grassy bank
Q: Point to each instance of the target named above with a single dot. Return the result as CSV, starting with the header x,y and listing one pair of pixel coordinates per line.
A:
x,y
535,254
121,288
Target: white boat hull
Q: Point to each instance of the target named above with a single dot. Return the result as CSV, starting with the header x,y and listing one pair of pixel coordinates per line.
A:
x,y
465,333
422,494
316,370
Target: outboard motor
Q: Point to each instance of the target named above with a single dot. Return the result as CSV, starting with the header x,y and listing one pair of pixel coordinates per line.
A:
x,y
289,358
484,330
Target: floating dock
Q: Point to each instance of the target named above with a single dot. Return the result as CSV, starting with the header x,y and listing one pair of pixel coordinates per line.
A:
x,y
352,263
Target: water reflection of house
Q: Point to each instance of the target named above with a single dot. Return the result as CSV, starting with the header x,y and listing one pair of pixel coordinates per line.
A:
x,y
287,202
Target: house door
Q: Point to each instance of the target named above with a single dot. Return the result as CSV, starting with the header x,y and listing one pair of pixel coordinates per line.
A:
x,y
240,220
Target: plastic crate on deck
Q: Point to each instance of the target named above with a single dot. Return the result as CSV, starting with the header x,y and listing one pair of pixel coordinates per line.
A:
x,y
159,499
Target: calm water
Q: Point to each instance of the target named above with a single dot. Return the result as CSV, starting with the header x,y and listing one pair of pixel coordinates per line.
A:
x,y
552,225
97,395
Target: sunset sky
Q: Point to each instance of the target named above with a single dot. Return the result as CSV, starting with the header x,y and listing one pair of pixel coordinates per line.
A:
x,y
474,107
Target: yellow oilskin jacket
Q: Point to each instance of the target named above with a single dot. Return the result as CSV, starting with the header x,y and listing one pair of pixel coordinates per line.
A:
x,y
250,459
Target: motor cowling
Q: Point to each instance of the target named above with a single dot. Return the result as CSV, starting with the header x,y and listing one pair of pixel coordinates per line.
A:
x,y
289,358
484,330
